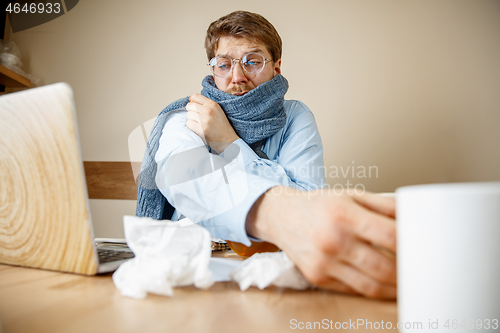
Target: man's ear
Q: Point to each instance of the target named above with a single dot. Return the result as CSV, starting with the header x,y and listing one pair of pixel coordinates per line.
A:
x,y
277,67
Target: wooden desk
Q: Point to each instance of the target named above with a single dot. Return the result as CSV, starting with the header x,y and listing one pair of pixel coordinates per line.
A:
x,y
33,300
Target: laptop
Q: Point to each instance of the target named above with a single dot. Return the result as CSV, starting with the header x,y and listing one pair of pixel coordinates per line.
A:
x,y
45,220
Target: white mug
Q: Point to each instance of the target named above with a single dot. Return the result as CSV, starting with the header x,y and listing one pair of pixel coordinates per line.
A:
x,y
448,257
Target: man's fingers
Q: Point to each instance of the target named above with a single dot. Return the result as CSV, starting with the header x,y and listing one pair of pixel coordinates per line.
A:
x,y
194,116
373,227
196,128
193,126
361,283
336,285
377,203
199,109
199,98
369,260
193,107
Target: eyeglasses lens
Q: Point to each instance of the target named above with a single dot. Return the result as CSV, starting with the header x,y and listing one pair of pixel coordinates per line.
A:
x,y
221,66
251,62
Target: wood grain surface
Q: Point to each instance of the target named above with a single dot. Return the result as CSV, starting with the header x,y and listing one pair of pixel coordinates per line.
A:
x,y
44,220
111,180
40,301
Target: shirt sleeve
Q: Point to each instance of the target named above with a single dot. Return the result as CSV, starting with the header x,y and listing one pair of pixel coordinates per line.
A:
x,y
217,191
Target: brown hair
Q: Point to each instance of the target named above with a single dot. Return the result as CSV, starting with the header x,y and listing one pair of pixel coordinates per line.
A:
x,y
247,25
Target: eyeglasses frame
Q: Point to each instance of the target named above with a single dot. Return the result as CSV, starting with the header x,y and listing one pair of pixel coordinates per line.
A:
x,y
239,60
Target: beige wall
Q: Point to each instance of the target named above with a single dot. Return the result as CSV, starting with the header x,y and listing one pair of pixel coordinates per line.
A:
x,y
411,87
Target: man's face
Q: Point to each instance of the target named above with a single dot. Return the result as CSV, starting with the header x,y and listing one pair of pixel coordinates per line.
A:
x,y
239,82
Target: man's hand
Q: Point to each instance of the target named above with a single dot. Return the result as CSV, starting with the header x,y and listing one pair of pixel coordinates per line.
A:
x,y
343,243
207,119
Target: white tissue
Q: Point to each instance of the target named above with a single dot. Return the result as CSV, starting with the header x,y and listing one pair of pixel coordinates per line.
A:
x,y
173,254
167,254
264,269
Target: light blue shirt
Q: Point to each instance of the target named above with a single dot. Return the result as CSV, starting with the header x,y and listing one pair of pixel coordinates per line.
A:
x,y
217,191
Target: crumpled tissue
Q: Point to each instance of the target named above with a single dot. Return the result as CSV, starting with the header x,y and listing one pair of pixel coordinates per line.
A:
x,y
167,254
270,268
174,254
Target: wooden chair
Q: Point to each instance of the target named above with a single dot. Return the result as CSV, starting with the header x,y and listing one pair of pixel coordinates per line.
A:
x,y
111,180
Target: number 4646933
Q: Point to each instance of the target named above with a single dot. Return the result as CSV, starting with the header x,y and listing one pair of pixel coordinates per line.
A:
x,y
472,324
33,8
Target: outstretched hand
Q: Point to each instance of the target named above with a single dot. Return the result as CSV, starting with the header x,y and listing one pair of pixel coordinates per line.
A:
x,y
207,119
345,243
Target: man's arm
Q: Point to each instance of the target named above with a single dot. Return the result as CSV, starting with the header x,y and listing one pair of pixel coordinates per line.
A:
x,y
189,179
344,243
204,199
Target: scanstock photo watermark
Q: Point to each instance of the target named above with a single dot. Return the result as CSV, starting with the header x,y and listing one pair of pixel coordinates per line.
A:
x,y
365,324
356,324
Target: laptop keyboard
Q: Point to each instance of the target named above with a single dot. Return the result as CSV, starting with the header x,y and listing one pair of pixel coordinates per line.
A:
x,y
107,253
112,255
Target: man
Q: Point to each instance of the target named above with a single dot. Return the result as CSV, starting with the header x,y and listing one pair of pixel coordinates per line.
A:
x,y
233,159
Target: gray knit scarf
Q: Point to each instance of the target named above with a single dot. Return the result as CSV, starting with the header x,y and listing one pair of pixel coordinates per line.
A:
x,y
254,116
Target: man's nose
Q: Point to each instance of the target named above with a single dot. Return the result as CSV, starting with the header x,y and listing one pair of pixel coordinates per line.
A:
x,y
238,74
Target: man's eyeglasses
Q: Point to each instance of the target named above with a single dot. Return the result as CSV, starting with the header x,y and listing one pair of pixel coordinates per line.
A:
x,y
252,63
